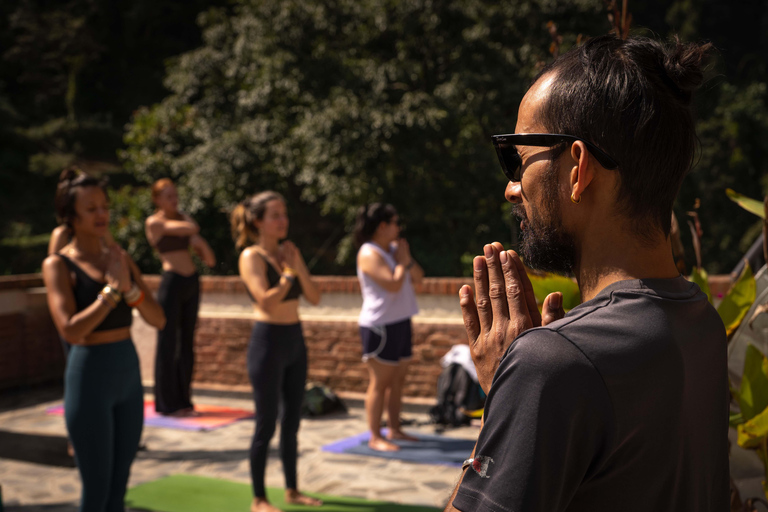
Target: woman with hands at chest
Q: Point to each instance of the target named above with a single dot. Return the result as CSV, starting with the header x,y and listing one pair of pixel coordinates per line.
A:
x,y
92,290
275,275
387,272
172,234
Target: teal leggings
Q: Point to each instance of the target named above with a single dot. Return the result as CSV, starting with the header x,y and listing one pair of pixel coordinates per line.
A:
x,y
104,410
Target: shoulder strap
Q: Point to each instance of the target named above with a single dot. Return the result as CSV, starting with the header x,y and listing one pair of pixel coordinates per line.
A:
x,y
68,262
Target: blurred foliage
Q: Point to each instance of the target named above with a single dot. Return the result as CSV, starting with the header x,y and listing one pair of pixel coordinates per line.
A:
x,y
751,422
335,104
546,283
749,204
734,306
71,74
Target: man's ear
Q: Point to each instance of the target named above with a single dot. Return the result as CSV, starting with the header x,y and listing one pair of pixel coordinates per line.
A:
x,y
582,172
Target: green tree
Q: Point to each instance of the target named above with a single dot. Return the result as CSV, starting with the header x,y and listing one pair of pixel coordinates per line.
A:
x,y
341,103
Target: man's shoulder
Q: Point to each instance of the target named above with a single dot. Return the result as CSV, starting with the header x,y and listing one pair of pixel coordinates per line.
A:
x,y
545,353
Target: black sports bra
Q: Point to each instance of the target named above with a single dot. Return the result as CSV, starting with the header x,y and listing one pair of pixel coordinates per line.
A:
x,y
273,278
172,243
86,290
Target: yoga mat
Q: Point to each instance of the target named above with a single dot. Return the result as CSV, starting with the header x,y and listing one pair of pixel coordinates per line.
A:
x,y
211,417
190,493
446,451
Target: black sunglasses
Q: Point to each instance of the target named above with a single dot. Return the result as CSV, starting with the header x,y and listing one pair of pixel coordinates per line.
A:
x,y
511,162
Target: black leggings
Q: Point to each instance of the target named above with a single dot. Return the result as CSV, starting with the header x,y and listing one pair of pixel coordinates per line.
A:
x,y
179,297
277,367
104,411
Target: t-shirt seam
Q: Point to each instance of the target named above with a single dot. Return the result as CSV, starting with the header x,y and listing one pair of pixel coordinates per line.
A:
x,y
591,363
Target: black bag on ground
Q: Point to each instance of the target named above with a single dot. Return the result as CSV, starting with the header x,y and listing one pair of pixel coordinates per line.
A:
x,y
319,400
456,393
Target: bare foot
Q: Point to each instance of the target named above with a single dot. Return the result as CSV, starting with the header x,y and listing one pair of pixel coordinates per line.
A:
x,y
382,445
295,497
262,505
399,434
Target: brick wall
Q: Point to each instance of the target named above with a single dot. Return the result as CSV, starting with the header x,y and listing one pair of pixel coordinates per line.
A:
x,y
30,350
334,353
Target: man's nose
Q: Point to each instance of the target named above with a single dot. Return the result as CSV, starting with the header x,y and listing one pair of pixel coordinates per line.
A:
x,y
513,192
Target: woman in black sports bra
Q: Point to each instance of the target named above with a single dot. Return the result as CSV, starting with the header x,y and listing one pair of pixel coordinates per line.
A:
x,y
173,234
92,290
275,275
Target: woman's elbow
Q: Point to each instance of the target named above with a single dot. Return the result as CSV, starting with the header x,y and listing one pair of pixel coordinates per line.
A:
x,y
159,321
313,299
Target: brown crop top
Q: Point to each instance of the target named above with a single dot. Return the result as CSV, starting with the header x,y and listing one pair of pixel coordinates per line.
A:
x,y
86,289
172,243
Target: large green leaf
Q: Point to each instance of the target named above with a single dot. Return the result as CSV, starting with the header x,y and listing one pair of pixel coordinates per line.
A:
x,y
701,278
545,284
749,204
753,394
737,302
753,432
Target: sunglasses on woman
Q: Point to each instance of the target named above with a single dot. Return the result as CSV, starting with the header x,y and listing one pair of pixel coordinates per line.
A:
x,y
511,162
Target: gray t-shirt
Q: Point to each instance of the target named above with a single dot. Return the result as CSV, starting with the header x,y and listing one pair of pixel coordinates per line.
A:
x,y
621,405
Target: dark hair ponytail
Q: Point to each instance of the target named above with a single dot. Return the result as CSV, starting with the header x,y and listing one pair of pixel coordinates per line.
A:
x,y
368,219
70,180
246,212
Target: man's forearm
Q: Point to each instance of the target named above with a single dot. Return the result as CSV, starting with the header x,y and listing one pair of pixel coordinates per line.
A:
x,y
449,506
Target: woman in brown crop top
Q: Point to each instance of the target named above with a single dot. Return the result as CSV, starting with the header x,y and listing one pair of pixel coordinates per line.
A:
x,y
275,275
92,290
172,234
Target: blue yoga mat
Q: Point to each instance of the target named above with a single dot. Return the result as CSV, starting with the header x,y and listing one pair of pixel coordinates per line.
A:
x,y
446,451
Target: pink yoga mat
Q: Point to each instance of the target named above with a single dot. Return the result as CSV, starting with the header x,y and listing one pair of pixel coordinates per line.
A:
x,y
211,417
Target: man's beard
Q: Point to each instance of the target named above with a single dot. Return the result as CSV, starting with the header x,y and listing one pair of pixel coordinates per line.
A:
x,y
544,244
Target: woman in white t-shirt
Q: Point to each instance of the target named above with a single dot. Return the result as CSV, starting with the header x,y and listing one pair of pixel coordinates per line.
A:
x,y
387,273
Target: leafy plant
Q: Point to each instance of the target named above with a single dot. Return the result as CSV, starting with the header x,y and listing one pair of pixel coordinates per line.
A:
x,y
752,396
736,303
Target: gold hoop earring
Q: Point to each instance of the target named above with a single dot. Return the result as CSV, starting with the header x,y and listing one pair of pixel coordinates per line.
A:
x,y
574,201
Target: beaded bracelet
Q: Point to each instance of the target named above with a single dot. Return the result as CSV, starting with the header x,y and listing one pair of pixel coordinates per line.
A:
x,y
138,301
132,295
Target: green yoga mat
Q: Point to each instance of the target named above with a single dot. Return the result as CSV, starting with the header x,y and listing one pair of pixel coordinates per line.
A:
x,y
190,493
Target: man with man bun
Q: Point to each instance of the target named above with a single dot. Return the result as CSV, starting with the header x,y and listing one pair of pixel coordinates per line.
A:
x,y
621,404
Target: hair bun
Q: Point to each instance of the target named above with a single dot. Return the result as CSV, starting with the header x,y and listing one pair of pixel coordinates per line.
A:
x,y
683,64
69,174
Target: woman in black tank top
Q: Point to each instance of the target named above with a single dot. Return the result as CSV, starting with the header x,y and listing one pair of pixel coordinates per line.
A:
x,y
173,234
92,290
275,276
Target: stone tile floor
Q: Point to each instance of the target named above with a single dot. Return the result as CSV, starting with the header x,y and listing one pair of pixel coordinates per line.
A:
x,y
36,474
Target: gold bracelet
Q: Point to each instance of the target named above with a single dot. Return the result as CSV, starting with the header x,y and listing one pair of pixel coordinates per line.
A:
x,y
107,301
289,270
113,294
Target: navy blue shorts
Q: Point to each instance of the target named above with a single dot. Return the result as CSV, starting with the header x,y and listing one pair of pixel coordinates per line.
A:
x,y
389,343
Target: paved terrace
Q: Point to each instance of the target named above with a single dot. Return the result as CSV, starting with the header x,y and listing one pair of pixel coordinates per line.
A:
x,y
46,481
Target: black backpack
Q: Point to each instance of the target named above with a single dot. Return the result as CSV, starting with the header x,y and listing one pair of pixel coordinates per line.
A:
x,y
320,400
456,393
